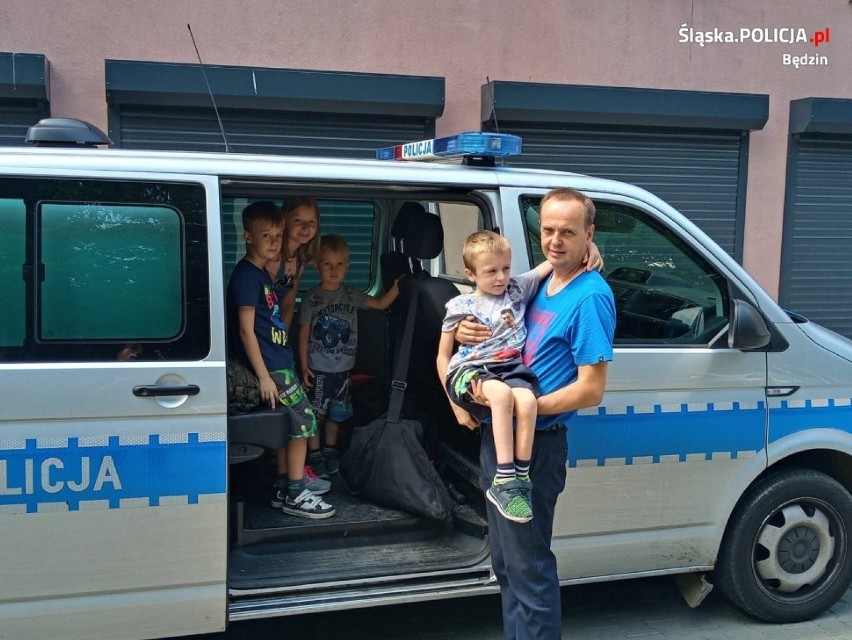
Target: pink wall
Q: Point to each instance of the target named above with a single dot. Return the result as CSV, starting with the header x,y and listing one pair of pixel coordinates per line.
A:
x,y
561,41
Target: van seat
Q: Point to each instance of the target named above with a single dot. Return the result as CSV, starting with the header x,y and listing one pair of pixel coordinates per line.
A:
x,y
252,432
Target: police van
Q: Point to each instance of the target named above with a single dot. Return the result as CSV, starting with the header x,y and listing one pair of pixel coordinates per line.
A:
x,y
132,505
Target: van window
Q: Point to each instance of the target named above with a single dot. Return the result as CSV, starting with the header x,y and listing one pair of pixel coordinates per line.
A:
x,y
459,220
12,300
91,268
110,272
665,292
352,219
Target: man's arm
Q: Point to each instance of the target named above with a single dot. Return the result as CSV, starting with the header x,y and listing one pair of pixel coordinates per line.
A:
x,y
586,391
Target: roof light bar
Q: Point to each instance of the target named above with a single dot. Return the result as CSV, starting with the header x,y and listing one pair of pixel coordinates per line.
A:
x,y
471,143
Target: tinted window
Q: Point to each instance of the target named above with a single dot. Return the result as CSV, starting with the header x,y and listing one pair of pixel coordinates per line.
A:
x,y
665,292
88,268
105,263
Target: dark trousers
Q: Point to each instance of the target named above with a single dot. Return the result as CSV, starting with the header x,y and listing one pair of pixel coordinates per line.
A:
x,y
520,553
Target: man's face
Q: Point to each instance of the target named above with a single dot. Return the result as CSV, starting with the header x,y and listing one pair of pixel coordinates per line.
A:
x,y
332,266
565,238
264,239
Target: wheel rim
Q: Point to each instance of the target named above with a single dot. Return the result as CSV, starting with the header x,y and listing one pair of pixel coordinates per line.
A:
x,y
798,550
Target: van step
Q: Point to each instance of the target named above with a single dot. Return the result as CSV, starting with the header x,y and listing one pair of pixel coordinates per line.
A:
x,y
257,521
291,563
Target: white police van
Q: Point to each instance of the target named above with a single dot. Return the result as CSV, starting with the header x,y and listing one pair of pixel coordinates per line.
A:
x,y
133,506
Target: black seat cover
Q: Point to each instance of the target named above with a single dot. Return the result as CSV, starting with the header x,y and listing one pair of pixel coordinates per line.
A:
x,y
421,236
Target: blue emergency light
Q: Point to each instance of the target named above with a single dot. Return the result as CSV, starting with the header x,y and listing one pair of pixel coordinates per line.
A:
x,y
471,143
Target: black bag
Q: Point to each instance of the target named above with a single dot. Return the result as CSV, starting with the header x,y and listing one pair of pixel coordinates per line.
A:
x,y
386,462
243,387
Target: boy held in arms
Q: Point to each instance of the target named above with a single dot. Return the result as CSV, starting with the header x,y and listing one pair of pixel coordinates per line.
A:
x,y
499,302
328,340
258,337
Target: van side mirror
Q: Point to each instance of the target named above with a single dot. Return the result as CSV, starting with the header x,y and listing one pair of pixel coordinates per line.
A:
x,y
747,330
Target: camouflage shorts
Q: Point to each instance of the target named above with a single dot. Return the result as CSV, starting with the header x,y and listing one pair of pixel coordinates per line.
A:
x,y
294,402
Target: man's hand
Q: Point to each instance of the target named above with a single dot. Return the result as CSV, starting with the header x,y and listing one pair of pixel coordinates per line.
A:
x,y
308,378
464,418
470,332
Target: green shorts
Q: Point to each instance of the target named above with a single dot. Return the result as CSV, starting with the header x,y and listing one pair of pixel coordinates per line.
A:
x,y
294,402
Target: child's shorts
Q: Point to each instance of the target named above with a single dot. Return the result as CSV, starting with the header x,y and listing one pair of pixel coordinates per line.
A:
x,y
330,397
294,402
514,373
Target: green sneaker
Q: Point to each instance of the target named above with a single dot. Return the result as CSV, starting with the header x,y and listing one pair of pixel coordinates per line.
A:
x,y
510,500
316,460
526,488
332,459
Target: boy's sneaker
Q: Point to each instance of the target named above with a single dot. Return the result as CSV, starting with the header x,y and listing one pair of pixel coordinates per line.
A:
x,y
332,460
307,505
526,488
317,463
313,483
510,500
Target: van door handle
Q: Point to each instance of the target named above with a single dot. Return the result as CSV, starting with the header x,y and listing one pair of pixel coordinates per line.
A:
x,y
151,390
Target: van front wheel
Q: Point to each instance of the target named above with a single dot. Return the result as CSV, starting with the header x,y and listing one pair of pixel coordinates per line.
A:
x,y
785,556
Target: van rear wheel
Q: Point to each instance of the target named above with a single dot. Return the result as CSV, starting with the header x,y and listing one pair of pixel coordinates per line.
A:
x,y
785,556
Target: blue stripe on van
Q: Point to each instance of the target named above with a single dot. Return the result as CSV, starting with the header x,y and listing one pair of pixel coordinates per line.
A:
x,y
656,433
791,416
111,473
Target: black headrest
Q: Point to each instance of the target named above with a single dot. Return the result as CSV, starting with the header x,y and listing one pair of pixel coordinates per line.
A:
x,y
420,231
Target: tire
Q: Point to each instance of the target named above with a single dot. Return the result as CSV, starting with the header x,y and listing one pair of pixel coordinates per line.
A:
x,y
785,556
330,338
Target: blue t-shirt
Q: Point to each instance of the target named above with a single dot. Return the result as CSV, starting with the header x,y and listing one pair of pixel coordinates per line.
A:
x,y
250,286
574,327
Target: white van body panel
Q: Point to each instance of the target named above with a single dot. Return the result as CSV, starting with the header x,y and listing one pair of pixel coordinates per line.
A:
x,y
95,469
654,472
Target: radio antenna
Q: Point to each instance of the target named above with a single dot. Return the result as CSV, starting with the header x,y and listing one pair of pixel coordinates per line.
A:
x,y
209,91
493,106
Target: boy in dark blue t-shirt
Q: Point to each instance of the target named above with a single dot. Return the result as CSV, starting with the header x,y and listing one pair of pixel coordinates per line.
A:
x,y
258,337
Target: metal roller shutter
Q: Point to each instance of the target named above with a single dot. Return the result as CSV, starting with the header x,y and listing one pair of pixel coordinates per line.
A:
x,y
816,268
16,116
697,172
23,95
259,131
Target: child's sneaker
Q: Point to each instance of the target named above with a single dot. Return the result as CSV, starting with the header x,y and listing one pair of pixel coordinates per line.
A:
x,y
510,501
307,505
313,483
317,463
332,459
526,488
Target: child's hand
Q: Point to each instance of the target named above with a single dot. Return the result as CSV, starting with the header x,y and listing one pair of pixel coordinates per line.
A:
x,y
464,418
307,378
594,259
268,391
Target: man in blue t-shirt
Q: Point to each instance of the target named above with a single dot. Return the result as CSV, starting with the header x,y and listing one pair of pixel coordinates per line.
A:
x,y
570,328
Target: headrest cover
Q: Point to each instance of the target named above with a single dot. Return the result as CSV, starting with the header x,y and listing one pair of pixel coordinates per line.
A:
x,y
420,231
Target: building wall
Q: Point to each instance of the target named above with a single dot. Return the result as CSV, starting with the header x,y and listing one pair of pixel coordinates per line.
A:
x,y
554,41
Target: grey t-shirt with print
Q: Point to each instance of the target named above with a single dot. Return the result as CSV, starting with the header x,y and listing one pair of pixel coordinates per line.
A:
x,y
503,314
332,318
